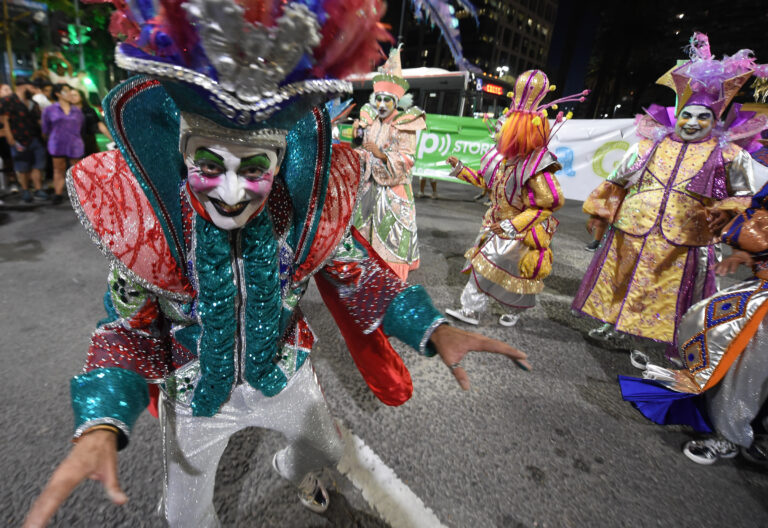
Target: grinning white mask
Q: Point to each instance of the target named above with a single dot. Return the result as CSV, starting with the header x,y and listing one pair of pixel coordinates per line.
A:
x,y
694,122
230,180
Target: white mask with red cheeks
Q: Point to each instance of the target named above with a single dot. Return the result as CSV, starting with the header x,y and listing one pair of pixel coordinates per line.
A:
x,y
232,181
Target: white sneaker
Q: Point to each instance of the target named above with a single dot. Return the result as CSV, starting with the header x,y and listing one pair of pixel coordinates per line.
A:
x,y
313,495
509,319
601,332
709,450
468,316
639,359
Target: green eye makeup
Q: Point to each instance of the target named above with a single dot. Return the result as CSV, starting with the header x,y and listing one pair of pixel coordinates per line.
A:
x,y
259,161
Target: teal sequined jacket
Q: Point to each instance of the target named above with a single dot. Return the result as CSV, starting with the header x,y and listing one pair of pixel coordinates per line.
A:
x,y
176,280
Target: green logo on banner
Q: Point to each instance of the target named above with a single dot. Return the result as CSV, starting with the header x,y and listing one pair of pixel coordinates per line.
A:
x,y
600,153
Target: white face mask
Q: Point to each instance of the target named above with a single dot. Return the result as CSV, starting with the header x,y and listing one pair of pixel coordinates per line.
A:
x,y
384,104
694,123
231,181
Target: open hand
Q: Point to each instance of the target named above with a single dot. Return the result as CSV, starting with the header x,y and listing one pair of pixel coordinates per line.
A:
x,y
732,263
453,344
95,457
371,147
496,228
717,219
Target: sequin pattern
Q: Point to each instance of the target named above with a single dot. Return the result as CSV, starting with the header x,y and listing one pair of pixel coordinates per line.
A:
x,y
114,210
110,395
365,286
412,318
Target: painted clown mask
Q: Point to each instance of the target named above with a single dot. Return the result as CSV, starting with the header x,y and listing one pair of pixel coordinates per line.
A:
x,y
384,104
694,123
231,181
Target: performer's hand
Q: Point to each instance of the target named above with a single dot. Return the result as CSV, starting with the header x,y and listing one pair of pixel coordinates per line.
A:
x,y
596,226
95,457
496,228
371,147
716,220
732,263
453,161
453,344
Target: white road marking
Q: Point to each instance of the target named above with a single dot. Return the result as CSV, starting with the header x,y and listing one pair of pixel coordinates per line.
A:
x,y
381,488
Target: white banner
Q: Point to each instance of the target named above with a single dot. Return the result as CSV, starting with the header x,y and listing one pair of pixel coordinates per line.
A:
x,y
588,150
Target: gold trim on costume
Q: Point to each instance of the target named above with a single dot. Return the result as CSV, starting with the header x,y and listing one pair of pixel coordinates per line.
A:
x,y
502,278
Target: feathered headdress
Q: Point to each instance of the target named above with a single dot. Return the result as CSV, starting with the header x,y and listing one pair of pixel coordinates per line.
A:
x,y
706,81
244,62
241,62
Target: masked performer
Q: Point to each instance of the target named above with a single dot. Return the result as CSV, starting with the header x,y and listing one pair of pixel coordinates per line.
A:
x,y
724,380
512,256
386,215
224,198
666,200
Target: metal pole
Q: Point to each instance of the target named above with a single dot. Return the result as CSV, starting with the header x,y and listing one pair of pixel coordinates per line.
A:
x,y
7,29
402,16
79,36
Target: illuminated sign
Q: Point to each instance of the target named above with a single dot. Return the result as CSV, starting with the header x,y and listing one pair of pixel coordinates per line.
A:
x,y
494,89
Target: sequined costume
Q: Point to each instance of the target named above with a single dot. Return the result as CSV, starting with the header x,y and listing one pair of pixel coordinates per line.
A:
x,y
386,215
724,380
207,318
512,255
657,258
524,193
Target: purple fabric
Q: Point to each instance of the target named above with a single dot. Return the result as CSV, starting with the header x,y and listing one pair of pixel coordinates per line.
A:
x,y
664,406
593,272
665,115
710,181
704,99
63,131
736,117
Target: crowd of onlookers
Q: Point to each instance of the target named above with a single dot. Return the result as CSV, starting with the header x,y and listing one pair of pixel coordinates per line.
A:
x,y
45,127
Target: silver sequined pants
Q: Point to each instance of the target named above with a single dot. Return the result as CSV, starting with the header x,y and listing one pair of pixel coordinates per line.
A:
x,y
734,402
193,445
472,298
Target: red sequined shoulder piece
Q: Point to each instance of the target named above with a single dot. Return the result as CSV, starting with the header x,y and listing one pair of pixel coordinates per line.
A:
x,y
120,219
339,204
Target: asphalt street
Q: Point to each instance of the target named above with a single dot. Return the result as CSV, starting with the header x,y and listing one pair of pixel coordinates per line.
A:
x,y
555,447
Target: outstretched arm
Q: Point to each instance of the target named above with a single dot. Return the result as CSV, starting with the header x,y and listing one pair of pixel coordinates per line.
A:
x,y
93,457
108,396
453,344
365,291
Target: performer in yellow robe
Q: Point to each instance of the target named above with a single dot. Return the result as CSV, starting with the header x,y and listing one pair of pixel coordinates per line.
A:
x,y
664,203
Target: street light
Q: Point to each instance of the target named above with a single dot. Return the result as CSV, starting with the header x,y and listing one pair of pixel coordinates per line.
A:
x,y
502,70
616,108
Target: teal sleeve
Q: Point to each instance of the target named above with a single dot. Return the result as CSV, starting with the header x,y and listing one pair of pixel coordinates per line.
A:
x,y
412,318
113,396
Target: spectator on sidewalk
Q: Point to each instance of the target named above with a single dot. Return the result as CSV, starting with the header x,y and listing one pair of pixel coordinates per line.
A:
x,y
92,123
43,97
62,123
5,150
20,117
